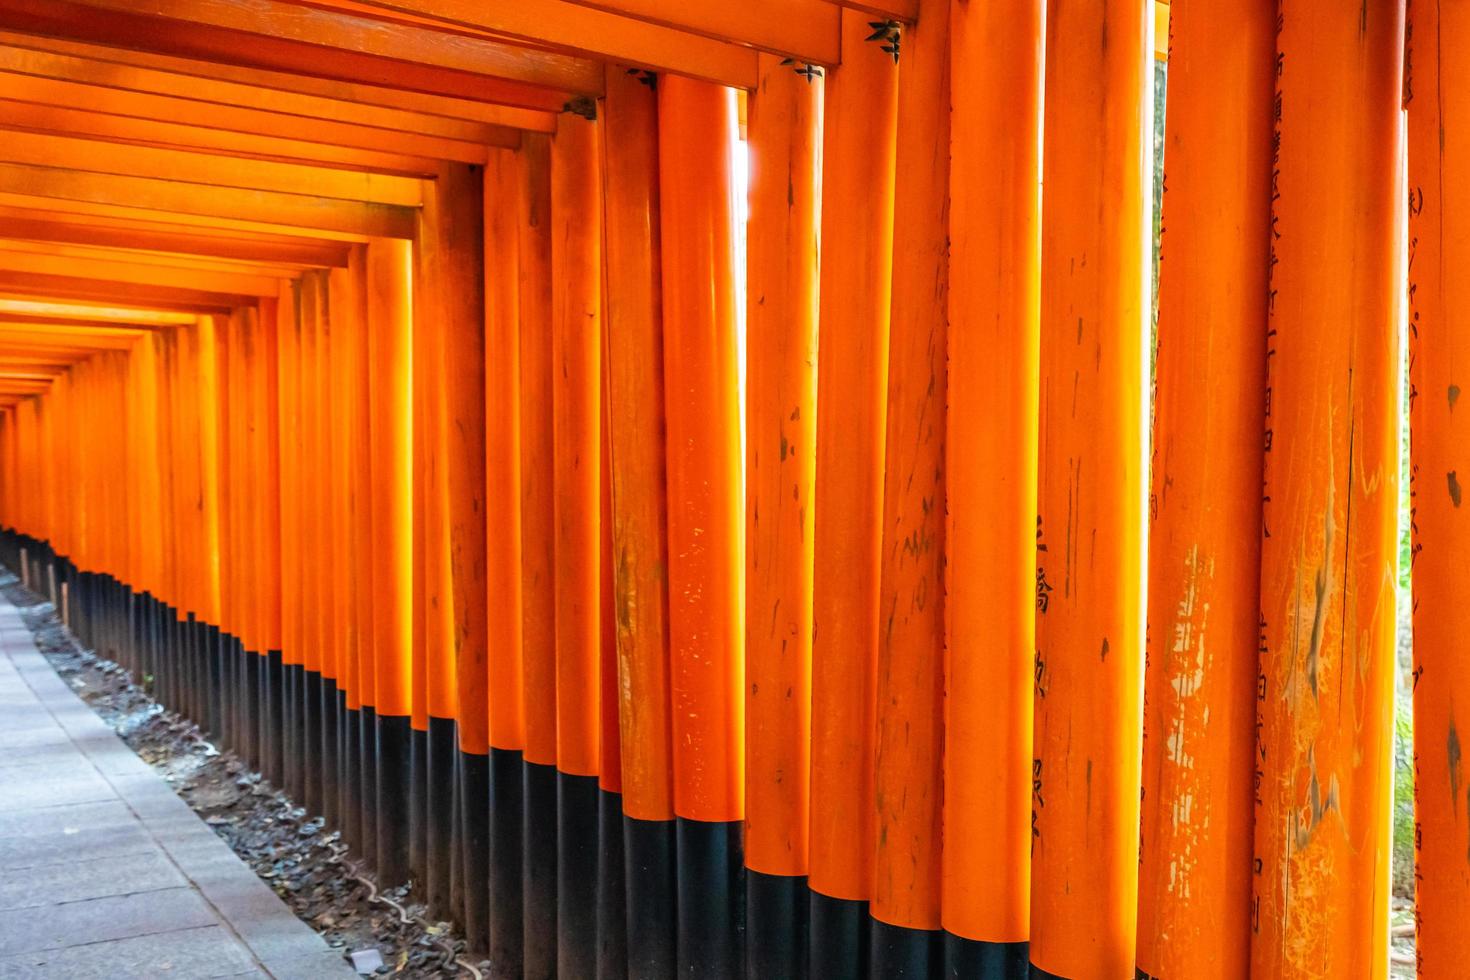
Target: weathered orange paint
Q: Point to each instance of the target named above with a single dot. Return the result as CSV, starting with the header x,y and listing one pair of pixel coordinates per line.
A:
x,y
1090,490
1328,554
1437,86
785,135
633,325
576,396
859,143
990,465
697,129
1205,508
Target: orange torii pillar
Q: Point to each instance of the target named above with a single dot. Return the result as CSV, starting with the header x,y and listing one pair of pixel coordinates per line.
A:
x,y
319,388
376,423
538,575
282,532
503,556
1090,560
268,518
333,535
908,767
990,472
456,208
435,676
697,132
1324,757
294,519
785,130
1204,545
859,143
612,896
576,397
1438,98
633,324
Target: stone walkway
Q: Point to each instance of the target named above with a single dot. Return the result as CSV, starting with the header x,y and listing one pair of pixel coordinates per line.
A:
x,y
104,871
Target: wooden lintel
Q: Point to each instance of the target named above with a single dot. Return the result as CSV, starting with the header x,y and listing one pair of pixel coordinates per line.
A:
x,y
288,210
278,36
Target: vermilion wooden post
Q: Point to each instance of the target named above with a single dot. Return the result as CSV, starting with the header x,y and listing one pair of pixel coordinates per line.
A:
x,y
458,211
438,650
319,385
1204,555
697,130
858,148
785,135
996,53
294,515
576,339
538,576
633,324
503,567
1437,84
1090,561
910,689
1325,691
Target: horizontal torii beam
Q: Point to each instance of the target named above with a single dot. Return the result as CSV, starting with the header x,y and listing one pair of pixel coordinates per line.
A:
x,y
309,41
166,196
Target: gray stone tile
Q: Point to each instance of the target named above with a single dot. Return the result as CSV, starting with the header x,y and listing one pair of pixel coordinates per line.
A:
x,y
80,784
192,954
20,719
76,881
258,916
100,919
110,754
69,842
328,964
48,733
49,753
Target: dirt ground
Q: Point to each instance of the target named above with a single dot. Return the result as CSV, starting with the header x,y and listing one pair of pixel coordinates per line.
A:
x,y
308,866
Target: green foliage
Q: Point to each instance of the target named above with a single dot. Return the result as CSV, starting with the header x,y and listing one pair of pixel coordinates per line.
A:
x,y
1403,801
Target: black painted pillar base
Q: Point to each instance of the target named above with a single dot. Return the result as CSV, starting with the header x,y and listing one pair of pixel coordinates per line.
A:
x,y
439,832
985,961
274,720
474,849
538,872
349,775
903,952
418,805
775,925
612,895
577,812
648,855
711,910
290,727
367,763
393,753
838,938
311,755
505,807
329,775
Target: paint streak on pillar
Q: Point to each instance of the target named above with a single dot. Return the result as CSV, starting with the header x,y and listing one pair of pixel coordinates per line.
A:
x,y
858,150
785,148
1204,558
1328,554
697,132
633,327
1438,98
1090,560
990,466
908,771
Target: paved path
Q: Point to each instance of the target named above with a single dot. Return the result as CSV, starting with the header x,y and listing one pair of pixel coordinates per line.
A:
x,y
104,871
